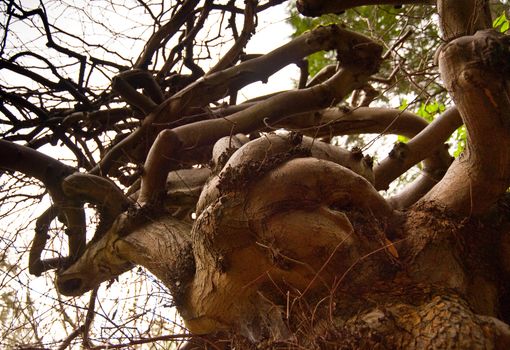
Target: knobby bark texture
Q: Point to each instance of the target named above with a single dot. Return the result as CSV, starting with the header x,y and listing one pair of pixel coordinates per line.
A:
x,y
293,246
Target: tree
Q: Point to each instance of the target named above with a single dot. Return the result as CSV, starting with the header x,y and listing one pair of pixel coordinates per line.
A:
x,y
264,239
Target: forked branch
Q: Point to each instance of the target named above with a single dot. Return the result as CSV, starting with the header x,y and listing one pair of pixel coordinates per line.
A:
x,y
360,57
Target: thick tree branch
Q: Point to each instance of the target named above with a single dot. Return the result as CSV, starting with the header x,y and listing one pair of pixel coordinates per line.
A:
x,y
459,18
403,157
32,163
344,121
99,191
51,173
320,7
169,143
426,142
220,84
122,85
101,120
163,246
475,70
35,265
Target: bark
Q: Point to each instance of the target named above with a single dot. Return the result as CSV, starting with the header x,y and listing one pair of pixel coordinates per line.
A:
x,y
463,18
360,58
335,265
475,71
161,245
242,224
293,246
337,121
320,7
220,84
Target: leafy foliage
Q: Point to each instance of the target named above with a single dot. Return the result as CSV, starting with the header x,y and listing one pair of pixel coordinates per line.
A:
x,y
501,23
411,35
416,86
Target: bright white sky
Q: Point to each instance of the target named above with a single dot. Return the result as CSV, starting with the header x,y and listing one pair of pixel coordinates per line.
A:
x,y
273,31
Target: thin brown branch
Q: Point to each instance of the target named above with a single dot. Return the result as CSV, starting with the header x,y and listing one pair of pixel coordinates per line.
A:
x,y
41,13
269,4
190,36
165,32
67,341
143,341
46,169
23,103
89,318
232,55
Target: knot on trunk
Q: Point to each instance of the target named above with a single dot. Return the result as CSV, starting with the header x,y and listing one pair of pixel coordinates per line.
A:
x,y
283,219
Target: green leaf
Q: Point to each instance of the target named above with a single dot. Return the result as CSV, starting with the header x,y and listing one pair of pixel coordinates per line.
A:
x,y
459,139
501,23
403,104
388,24
505,27
428,111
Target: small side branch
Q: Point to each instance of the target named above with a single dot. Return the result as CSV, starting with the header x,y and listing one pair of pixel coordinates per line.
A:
x,y
165,33
232,55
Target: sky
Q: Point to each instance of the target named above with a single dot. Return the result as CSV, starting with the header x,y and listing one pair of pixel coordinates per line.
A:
x,y
273,31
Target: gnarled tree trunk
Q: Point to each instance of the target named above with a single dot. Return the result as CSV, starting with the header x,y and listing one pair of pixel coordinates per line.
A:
x,y
293,245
